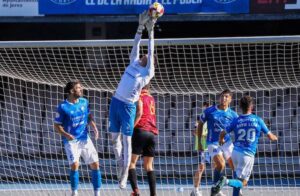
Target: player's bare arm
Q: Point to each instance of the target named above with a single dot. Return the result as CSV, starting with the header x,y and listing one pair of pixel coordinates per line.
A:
x,y
222,136
62,132
139,112
199,132
93,125
195,131
272,137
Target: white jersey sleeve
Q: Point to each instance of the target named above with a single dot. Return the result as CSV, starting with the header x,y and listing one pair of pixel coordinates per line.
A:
x,y
135,76
150,63
135,51
132,82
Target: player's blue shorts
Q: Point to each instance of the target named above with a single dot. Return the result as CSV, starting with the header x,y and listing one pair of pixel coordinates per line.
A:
x,y
121,116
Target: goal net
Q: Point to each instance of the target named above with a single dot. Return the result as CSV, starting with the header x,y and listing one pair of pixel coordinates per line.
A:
x,y
189,73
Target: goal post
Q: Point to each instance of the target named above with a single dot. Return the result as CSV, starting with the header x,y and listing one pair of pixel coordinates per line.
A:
x,y
189,72
209,63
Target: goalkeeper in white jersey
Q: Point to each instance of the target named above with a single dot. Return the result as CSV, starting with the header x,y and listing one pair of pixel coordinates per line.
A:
x,y
122,109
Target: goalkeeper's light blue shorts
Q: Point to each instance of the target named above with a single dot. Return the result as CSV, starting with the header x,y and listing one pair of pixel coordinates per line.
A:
x,y
121,116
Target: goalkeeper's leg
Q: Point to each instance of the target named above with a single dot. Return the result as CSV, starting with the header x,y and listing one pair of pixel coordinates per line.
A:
x,y
127,157
127,125
117,146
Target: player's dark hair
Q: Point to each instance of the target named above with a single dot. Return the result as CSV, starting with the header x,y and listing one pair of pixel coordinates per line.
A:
x,y
155,59
226,91
245,102
206,104
147,86
70,85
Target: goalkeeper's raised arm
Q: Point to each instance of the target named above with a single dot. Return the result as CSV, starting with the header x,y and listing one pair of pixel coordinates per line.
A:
x,y
135,52
140,70
150,61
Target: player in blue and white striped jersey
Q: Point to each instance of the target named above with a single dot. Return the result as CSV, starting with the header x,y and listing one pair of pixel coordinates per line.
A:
x,y
247,129
123,104
71,121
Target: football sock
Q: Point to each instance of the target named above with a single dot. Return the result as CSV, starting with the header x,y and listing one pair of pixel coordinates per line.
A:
x,y
152,182
74,178
217,175
96,179
132,179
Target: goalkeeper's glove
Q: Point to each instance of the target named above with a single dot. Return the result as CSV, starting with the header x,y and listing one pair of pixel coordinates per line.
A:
x,y
143,18
150,25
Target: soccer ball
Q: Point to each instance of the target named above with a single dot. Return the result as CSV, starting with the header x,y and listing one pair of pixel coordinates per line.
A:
x,y
156,10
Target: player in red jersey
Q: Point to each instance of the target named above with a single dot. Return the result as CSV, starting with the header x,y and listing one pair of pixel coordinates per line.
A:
x,y
143,141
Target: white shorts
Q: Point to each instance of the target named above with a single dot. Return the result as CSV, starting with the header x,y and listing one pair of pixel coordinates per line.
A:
x,y
75,149
204,157
213,150
227,149
243,165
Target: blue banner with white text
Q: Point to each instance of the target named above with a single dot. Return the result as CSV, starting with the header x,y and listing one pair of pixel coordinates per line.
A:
x,y
117,7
